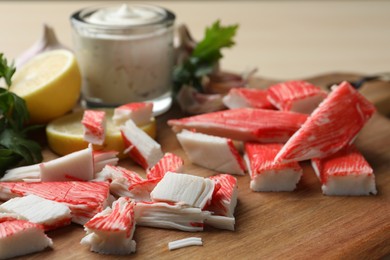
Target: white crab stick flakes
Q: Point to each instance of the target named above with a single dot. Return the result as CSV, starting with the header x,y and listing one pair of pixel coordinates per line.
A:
x,y
143,149
84,199
267,175
141,113
191,190
345,173
169,163
333,125
170,216
244,124
247,97
103,158
190,241
126,183
297,95
75,166
212,152
21,237
49,213
224,200
111,231
24,173
94,126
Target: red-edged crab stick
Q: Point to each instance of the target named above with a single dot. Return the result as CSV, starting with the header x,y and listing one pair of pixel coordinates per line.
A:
x,y
345,173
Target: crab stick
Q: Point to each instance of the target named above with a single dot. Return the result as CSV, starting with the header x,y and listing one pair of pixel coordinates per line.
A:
x,y
111,231
94,126
333,125
298,96
267,175
247,97
20,237
191,190
244,124
212,152
143,149
48,213
345,173
141,113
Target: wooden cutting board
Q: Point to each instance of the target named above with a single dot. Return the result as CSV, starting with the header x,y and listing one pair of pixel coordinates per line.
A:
x,y
282,225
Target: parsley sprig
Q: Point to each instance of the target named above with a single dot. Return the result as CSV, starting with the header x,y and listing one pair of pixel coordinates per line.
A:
x,y
204,57
15,147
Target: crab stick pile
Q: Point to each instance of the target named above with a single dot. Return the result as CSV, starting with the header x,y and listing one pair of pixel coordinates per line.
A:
x,y
310,125
88,188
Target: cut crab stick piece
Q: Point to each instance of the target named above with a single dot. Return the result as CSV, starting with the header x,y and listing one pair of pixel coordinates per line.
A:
x,y
212,152
143,149
224,200
247,97
103,158
84,199
21,237
244,124
75,166
170,216
297,95
127,183
345,173
191,190
332,126
169,163
141,113
267,175
35,209
189,241
80,165
94,126
111,231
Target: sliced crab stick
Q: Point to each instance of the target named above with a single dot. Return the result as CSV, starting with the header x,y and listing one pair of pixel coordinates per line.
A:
x,y
141,113
345,173
298,96
247,97
111,231
332,126
212,152
20,237
50,214
94,126
169,163
244,124
143,149
267,175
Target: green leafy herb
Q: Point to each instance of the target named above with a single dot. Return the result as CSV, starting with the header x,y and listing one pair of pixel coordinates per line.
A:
x,y
15,147
204,57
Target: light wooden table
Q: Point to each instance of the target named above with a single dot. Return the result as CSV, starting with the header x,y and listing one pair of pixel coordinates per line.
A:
x,y
284,39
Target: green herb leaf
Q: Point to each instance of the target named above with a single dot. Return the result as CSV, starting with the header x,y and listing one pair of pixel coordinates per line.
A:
x,y
6,71
204,57
15,147
216,38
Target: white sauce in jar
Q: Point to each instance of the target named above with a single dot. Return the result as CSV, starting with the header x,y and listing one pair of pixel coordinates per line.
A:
x,y
125,54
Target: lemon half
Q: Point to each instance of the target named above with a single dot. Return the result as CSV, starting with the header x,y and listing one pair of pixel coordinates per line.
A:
x,y
49,83
65,134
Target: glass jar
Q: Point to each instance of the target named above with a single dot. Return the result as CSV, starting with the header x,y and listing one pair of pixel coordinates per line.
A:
x,y
125,54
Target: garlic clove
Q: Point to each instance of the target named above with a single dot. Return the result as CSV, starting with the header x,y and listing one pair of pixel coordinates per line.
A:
x,y
48,41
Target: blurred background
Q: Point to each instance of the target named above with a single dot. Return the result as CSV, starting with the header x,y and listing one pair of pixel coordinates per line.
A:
x,y
283,39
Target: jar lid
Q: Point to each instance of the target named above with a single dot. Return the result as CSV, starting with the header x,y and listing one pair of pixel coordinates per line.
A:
x,y
124,16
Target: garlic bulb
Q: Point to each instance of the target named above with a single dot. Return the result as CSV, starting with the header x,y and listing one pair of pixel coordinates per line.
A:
x,y
48,41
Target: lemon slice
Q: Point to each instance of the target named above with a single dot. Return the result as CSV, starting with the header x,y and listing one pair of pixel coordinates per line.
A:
x,y
49,83
65,134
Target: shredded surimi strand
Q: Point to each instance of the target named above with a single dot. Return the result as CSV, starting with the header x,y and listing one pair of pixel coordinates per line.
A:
x,y
190,241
